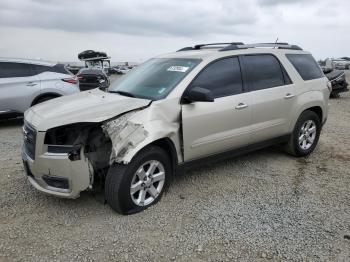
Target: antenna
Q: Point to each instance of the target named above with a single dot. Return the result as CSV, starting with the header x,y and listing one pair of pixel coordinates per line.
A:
x,y
276,42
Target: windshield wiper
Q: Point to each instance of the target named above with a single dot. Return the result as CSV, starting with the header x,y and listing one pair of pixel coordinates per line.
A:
x,y
123,93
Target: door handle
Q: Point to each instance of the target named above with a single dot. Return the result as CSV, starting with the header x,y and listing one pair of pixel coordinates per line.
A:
x,y
241,106
288,96
31,84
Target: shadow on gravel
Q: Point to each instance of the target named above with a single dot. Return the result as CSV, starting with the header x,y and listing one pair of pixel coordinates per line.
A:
x,y
11,122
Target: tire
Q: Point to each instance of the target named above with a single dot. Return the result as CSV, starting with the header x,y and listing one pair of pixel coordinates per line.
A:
x,y
296,145
43,99
120,178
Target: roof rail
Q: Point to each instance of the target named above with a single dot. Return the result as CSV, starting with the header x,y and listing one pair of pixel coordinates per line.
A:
x,y
197,47
271,45
240,45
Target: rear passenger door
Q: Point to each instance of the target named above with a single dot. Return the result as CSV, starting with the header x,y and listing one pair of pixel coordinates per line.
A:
x,y
214,127
18,86
273,95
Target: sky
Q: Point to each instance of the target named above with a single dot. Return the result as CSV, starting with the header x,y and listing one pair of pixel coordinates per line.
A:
x,y
135,30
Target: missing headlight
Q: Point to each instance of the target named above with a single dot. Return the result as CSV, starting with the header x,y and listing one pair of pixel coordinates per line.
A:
x,y
64,135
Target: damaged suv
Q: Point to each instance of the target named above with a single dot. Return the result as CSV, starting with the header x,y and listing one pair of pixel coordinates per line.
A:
x,y
176,110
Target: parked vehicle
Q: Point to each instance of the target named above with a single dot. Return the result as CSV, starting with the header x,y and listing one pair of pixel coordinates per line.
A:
x,y
171,113
96,71
24,83
90,78
338,81
123,70
91,54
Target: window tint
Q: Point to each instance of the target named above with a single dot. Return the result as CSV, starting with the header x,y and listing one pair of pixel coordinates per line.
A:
x,y
15,70
222,78
306,66
264,71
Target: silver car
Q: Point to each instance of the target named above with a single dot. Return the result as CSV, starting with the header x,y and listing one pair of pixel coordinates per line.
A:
x,y
175,111
24,83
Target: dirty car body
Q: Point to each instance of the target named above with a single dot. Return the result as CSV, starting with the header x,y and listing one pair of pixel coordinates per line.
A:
x,y
155,114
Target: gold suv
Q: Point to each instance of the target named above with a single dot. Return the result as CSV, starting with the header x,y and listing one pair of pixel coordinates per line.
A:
x,y
179,109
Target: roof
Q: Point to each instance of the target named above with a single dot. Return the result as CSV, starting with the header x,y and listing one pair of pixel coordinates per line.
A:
x,y
222,50
27,61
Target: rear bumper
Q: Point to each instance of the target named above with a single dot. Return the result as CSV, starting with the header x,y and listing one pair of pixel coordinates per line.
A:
x,y
55,174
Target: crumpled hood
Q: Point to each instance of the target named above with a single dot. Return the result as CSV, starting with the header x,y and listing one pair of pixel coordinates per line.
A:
x,y
89,106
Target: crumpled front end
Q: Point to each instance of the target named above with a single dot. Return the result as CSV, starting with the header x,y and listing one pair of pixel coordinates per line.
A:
x,y
75,157
124,134
132,131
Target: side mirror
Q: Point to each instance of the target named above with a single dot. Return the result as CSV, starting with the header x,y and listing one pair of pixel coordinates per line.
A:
x,y
198,94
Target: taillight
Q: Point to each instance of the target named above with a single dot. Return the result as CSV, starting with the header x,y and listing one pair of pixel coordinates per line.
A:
x,y
329,85
72,80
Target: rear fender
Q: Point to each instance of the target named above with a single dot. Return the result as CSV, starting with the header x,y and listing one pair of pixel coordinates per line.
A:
x,y
308,100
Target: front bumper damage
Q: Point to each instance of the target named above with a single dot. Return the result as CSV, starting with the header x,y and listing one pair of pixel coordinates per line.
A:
x,y
56,174
94,146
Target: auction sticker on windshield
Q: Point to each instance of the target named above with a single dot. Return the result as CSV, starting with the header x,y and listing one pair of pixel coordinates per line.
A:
x,y
182,69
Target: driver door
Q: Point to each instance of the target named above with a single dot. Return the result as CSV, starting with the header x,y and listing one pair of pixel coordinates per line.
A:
x,y
222,125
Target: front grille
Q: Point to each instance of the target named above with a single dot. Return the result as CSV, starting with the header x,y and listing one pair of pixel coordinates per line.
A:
x,y
29,136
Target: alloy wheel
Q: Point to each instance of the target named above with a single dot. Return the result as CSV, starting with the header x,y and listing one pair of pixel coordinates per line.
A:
x,y
147,183
307,135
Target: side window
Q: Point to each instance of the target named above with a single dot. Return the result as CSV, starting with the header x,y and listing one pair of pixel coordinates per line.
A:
x,y
8,69
222,78
58,68
306,66
40,69
264,71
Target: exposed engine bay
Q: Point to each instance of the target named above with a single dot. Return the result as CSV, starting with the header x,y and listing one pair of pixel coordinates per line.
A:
x,y
102,143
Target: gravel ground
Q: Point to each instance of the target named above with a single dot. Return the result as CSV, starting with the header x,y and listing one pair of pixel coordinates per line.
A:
x,y
262,206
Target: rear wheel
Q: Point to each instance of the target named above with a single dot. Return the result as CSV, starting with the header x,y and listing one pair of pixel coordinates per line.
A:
x,y
305,135
134,187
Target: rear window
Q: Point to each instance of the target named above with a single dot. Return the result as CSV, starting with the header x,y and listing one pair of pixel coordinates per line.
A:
x,y
306,66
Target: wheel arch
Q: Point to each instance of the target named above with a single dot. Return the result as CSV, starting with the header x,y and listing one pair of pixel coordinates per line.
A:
x,y
168,146
314,101
317,110
37,98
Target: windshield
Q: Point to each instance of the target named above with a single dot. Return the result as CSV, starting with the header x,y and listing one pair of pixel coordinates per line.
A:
x,y
155,78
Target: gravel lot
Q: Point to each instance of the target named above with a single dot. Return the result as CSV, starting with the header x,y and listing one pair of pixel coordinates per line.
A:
x,y
262,206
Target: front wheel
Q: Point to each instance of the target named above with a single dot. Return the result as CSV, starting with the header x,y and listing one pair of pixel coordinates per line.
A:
x,y
134,187
305,135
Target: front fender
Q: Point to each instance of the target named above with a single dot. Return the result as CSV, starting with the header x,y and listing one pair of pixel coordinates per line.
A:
x,y
135,130
156,130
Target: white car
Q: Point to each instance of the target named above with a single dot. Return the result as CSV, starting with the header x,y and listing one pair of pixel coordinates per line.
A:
x,y
24,83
